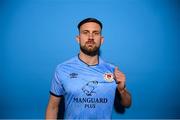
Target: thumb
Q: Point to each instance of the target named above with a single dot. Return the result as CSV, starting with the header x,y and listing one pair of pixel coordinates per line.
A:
x,y
116,69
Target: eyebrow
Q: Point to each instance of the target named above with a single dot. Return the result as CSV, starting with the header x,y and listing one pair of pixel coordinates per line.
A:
x,y
93,31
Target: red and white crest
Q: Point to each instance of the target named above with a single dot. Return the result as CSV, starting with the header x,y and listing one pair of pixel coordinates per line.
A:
x,y
108,77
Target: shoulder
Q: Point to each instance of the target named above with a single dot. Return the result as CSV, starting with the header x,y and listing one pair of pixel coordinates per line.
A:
x,y
67,63
107,64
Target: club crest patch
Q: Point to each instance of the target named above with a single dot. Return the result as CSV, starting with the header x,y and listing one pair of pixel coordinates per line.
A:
x,y
108,77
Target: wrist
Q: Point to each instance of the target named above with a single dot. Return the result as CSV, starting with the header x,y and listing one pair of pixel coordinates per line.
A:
x,y
122,89
121,86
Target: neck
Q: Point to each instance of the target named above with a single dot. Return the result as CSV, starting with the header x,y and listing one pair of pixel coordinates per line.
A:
x,y
90,60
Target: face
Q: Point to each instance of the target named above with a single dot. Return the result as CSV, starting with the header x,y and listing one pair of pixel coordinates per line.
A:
x,y
90,38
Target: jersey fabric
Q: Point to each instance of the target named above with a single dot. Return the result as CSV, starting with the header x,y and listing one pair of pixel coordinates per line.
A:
x,y
89,91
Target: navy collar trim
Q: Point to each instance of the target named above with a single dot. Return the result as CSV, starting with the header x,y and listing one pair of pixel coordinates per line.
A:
x,y
86,63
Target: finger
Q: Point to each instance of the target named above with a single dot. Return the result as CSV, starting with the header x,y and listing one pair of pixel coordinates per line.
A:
x,y
118,72
120,75
116,69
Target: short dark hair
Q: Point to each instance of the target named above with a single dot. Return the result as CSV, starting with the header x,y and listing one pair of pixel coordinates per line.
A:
x,y
89,20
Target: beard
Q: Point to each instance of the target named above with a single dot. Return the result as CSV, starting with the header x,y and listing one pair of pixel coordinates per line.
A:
x,y
90,50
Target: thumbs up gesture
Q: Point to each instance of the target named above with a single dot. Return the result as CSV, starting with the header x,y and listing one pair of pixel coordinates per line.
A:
x,y
120,78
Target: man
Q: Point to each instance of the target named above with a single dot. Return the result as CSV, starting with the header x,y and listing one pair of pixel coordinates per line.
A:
x,y
87,83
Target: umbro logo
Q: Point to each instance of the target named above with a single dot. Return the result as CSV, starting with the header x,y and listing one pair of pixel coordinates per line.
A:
x,y
73,75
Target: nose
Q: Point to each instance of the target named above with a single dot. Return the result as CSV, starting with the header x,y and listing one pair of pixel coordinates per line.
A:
x,y
90,35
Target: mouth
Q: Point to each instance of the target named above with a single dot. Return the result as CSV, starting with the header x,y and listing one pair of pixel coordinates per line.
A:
x,y
90,42
90,45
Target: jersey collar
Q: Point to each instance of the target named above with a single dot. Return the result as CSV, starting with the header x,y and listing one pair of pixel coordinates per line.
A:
x,y
83,63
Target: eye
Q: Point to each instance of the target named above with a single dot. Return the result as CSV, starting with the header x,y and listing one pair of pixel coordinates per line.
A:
x,y
96,33
85,32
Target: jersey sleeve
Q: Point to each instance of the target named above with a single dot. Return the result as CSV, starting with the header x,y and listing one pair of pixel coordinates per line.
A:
x,y
56,85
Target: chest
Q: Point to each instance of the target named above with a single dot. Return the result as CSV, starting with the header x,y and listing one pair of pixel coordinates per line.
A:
x,y
88,82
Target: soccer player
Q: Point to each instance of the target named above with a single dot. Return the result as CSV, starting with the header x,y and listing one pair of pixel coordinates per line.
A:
x,y
87,82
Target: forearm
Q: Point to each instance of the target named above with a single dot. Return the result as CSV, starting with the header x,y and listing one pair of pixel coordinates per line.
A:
x,y
53,107
51,112
125,96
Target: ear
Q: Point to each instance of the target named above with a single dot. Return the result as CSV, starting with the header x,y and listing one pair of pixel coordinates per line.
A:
x,y
102,40
77,38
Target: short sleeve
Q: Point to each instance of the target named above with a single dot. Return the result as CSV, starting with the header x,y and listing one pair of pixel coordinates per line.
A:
x,y
56,85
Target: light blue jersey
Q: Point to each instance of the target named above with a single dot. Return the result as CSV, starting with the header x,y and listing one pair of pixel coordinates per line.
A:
x,y
89,91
